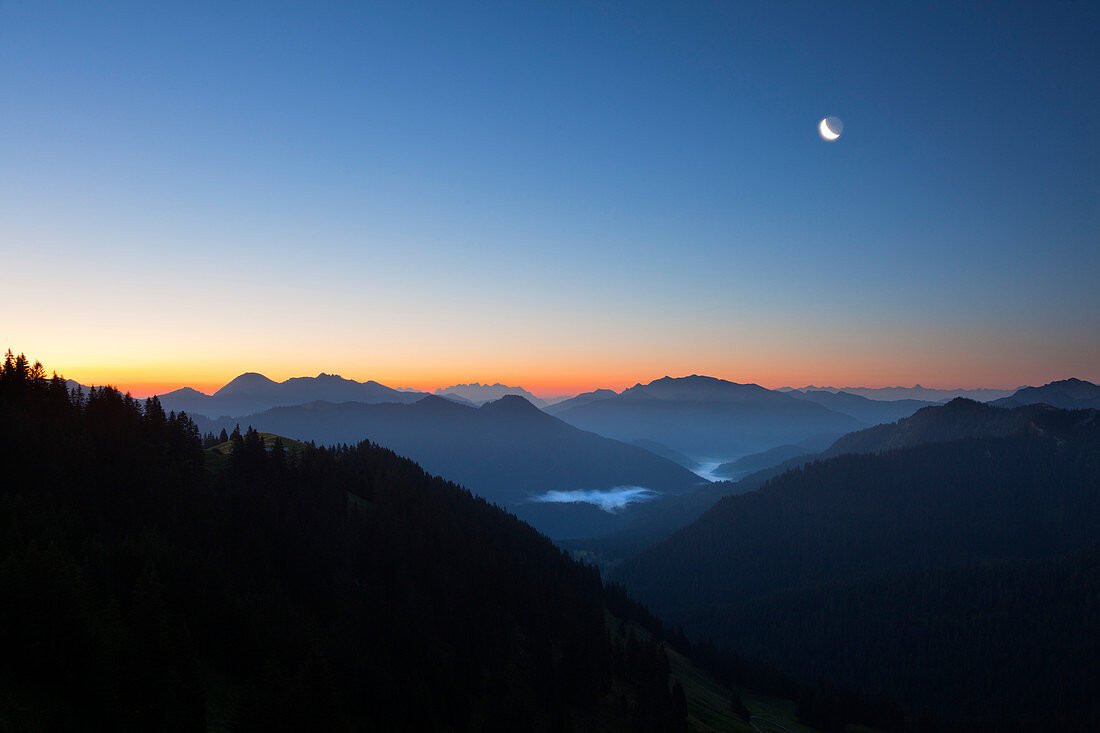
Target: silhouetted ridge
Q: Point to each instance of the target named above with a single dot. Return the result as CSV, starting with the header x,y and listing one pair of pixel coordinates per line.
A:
x,y
507,451
244,384
253,392
704,417
701,389
581,399
940,557
513,405
870,411
1070,394
959,418
478,393
442,405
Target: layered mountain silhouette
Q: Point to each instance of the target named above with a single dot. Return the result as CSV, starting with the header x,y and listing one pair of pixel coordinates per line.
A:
x,y
1070,394
703,416
869,411
507,451
760,461
961,540
479,394
916,392
648,523
583,399
958,418
252,392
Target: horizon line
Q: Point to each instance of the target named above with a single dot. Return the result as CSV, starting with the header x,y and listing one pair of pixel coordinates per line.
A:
x,y
143,388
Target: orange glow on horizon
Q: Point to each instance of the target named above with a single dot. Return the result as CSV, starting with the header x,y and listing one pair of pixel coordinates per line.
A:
x,y
543,383
552,372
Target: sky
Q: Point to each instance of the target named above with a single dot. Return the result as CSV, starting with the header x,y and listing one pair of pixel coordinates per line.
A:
x,y
558,195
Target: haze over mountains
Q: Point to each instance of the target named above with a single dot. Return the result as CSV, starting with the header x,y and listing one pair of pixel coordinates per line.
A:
x,y
959,538
916,392
507,451
252,392
704,417
648,523
1070,394
479,394
677,418
513,453
868,411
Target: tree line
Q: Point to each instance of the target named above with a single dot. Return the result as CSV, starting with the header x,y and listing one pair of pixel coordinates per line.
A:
x,y
149,584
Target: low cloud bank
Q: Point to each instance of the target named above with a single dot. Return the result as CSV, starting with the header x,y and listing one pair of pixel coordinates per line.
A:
x,y
610,500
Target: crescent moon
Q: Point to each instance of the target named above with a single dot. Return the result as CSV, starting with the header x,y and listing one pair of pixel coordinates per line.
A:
x,y
825,131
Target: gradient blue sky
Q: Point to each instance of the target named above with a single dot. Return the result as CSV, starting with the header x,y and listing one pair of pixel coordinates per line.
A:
x,y
564,195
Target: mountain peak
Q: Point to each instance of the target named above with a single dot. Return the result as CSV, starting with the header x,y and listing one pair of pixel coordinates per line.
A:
x,y
479,393
1074,382
436,403
511,403
701,388
1069,394
245,382
960,402
187,391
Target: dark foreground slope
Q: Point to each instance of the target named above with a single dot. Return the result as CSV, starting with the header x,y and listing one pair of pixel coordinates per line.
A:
x,y
147,585
961,574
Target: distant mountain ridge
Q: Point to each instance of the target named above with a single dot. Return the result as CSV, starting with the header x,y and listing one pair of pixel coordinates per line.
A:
x,y
507,451
478,393
252,392
956,419
703,417
583,399
916,392
870,411
1069,394
959,418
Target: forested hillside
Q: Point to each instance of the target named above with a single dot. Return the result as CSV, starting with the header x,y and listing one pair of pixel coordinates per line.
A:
x,y
149,585
960,575
507,451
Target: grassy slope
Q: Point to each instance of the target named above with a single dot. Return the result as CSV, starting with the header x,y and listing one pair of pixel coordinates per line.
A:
x,y
709,709
269,441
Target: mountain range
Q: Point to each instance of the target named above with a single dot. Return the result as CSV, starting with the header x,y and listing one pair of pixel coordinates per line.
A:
x,y
703,417
958,539
753,470
645,524
867,411
507,451
916,392
961,540
1070,394
479,394
517,459
252,392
